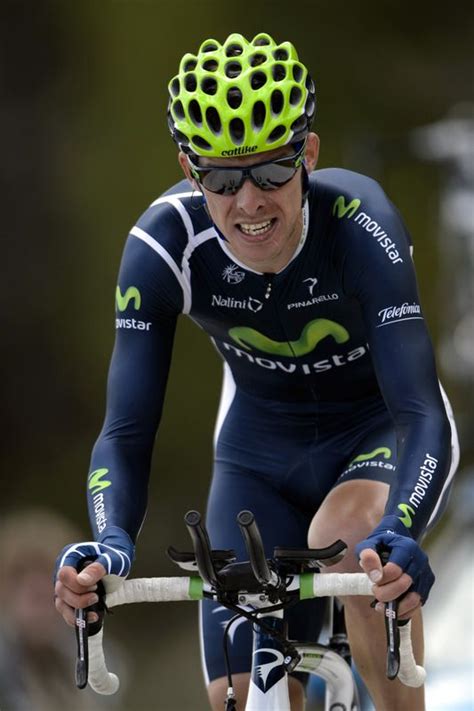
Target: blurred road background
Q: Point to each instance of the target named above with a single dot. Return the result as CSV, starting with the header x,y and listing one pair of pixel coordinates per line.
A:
x,y
85,150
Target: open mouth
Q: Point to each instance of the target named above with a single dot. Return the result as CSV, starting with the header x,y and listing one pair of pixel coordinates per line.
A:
x,y
257,229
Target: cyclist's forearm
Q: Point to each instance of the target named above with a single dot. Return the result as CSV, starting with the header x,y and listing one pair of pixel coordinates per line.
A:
x,y
117,486
422,469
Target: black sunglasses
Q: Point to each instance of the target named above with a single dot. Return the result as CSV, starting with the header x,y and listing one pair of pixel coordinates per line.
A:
x,y
268,175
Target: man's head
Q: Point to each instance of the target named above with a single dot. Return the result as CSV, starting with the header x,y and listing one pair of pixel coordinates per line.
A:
x,y
240,98
241,114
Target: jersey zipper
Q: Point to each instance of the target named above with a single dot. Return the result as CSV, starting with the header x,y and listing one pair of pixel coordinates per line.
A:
x,y
269,282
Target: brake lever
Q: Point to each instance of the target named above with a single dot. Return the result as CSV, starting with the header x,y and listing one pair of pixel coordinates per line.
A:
x,y
85,629
392,625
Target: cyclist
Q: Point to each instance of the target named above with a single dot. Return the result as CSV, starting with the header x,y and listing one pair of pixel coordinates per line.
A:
x,y
332,422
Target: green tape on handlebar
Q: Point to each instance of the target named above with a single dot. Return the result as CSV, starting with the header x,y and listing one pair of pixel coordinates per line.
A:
x,y
195,588
306,586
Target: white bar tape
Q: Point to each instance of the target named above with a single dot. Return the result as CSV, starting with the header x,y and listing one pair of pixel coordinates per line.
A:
x,y
410,673
336,584
150,590
101,680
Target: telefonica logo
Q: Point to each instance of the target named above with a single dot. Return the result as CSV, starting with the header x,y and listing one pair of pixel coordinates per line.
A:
x,y
312,334
96,483
132,294
341,209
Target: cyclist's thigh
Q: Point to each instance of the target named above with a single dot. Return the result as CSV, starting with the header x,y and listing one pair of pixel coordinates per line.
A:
x,y
280,523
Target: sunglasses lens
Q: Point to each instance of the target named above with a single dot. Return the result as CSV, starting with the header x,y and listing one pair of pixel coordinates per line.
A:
x,y
224,182
272,175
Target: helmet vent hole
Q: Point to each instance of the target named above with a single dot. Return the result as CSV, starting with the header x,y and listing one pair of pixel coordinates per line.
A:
x,y
276,134
234,50
209,86
210,47
190,82
190,65
262,41
210,65
178,110
201,143
280,54
310,106
277,102
279,72
195,113
174,87
181,138
258,114
234,97
300,124
297,72
257,80
237,130
213,120
295,95
257,59
233,69
310,85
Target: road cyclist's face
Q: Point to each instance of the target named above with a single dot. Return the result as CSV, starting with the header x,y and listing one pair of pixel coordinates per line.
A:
x,y
262,227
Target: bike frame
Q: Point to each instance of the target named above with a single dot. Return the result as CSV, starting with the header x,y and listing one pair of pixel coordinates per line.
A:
x,y
269,680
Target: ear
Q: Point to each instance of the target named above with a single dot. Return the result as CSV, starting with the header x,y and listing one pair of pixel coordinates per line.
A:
x,y
312,152
183,161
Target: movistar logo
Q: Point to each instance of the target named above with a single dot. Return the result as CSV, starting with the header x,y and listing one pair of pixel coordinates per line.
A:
x,y
314,332
132,293
408,512
387,453
341,209
95,484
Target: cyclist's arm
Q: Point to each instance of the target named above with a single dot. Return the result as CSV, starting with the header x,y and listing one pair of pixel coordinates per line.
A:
x,y
148,301
382,279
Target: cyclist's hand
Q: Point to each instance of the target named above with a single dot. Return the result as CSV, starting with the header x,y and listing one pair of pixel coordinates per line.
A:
x,y
112,557
406,573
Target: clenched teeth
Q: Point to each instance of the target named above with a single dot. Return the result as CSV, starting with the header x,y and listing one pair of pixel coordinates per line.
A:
x,y
256,229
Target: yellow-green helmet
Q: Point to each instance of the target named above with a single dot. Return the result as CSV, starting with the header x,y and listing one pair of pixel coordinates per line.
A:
x,y
240,98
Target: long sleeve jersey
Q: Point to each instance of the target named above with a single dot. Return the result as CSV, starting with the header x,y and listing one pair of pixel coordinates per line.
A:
x,y
341,322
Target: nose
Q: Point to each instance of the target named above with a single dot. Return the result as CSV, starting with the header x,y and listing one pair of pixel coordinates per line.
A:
x,y
250,199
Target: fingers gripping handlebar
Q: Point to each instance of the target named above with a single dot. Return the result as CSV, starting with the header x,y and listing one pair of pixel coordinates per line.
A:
x,y
220,574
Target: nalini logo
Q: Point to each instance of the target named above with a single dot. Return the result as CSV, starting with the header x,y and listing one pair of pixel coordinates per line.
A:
x,y
232,275
132,294
230,303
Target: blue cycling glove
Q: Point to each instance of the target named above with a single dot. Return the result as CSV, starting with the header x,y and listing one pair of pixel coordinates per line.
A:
x,y
114,550
403,551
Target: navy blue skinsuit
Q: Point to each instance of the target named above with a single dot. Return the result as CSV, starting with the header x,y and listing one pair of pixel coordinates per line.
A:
x,y
329,373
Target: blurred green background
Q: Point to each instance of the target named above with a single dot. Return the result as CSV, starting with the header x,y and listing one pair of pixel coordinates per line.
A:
x,y
86,149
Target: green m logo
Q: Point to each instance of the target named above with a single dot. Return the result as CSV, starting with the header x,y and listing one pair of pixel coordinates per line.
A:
x,y
312,334
341,209
131,293
407,511
387,453
95,484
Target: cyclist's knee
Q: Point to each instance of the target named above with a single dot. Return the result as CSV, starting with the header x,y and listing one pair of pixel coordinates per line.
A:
x,y
349,512
217,691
